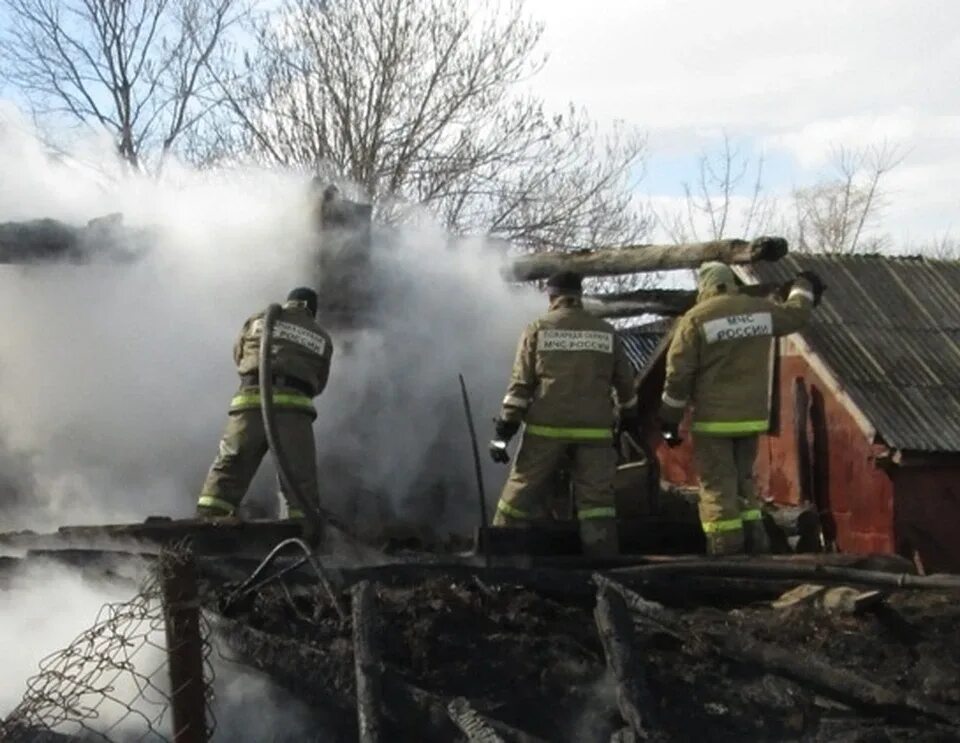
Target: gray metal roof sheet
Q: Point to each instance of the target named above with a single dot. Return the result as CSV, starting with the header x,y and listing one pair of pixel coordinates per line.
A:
x,y
641,341
889,329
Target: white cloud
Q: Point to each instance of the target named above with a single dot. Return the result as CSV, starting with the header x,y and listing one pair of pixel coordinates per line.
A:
x,y
799,76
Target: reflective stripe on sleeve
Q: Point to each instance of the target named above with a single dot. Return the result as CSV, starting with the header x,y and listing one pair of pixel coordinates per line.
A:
x,y
515,402
561,432
731,428
800,292
605,512
281,399
630,403
212,501
505,508
754,514
713,527
673,402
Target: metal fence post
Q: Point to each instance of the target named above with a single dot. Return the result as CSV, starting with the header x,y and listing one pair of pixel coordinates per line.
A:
x,y
184,648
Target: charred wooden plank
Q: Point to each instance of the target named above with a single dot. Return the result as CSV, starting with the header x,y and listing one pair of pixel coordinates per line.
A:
x,y
616,634
471,723
324,681
736,643
367,664
641,258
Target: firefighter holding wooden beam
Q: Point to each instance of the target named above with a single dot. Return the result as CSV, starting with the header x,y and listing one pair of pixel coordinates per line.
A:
x,y
719,362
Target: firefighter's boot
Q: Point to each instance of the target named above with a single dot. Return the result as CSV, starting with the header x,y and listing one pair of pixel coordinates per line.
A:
x,y
725,543
756,541
599,538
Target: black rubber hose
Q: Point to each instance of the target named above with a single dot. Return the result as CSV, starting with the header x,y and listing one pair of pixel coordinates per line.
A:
x,y
310,510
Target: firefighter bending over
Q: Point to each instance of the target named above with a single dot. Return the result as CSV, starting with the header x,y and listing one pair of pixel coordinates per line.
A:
x,y
566,363
301,353
719,361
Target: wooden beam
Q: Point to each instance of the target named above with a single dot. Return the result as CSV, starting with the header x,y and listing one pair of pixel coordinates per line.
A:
x,y
643,258
669,302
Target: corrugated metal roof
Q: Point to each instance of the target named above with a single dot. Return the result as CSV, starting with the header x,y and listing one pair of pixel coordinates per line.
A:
x,y
641,341
889,329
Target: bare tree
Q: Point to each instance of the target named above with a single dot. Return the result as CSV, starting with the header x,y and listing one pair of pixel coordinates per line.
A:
x,y
419,102
138,68
836,214
719,202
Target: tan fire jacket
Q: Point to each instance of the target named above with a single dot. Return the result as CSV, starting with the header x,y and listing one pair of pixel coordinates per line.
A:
x,y
301,350
567,361
720,356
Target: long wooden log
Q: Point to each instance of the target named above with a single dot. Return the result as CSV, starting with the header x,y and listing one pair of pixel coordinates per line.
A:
x,y
366,661
616,635
643,258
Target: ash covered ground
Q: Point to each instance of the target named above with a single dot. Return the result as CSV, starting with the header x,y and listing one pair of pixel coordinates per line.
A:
x,y
528,657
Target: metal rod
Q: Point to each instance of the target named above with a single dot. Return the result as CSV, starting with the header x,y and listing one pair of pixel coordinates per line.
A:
x,y
481,491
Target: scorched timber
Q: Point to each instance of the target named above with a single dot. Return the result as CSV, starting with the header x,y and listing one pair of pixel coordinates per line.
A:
x,y
643,258
670,302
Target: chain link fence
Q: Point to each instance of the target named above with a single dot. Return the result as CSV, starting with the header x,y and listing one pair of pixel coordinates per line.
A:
x,y
113,682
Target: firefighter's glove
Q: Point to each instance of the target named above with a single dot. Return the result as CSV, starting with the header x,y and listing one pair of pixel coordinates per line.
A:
x,y
629,422
498,446
671,434
815,282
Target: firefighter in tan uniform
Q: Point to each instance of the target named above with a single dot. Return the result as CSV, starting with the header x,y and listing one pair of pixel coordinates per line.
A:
x,y
719,361
301,365
560,389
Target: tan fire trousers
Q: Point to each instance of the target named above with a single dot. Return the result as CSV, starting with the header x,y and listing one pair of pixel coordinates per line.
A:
x,y
728,498
529,490
242,448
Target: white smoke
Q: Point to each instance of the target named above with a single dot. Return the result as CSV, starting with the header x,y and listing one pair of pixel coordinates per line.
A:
x,y
45,608
115,378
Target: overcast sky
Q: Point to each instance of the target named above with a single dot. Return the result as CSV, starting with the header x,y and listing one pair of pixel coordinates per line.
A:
x,y
790,78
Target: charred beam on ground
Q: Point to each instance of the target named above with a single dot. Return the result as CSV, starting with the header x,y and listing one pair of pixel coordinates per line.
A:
x,y
811,669
643,258
322,680
366,663
471,723
616,634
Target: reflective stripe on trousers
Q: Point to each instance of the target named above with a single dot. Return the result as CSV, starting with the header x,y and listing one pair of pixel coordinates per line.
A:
x,y
562,432
730,428
247,400
508,510
608,512
714,527
212,501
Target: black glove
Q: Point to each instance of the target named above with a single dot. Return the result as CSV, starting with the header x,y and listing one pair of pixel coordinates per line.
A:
x,y
671,434
815,282
629,422
498,446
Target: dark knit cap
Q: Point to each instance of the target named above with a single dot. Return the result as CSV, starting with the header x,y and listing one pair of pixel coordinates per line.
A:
x,y
565,283
304,294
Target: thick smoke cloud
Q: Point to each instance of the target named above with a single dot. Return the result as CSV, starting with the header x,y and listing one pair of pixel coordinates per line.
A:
x,y
115,378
